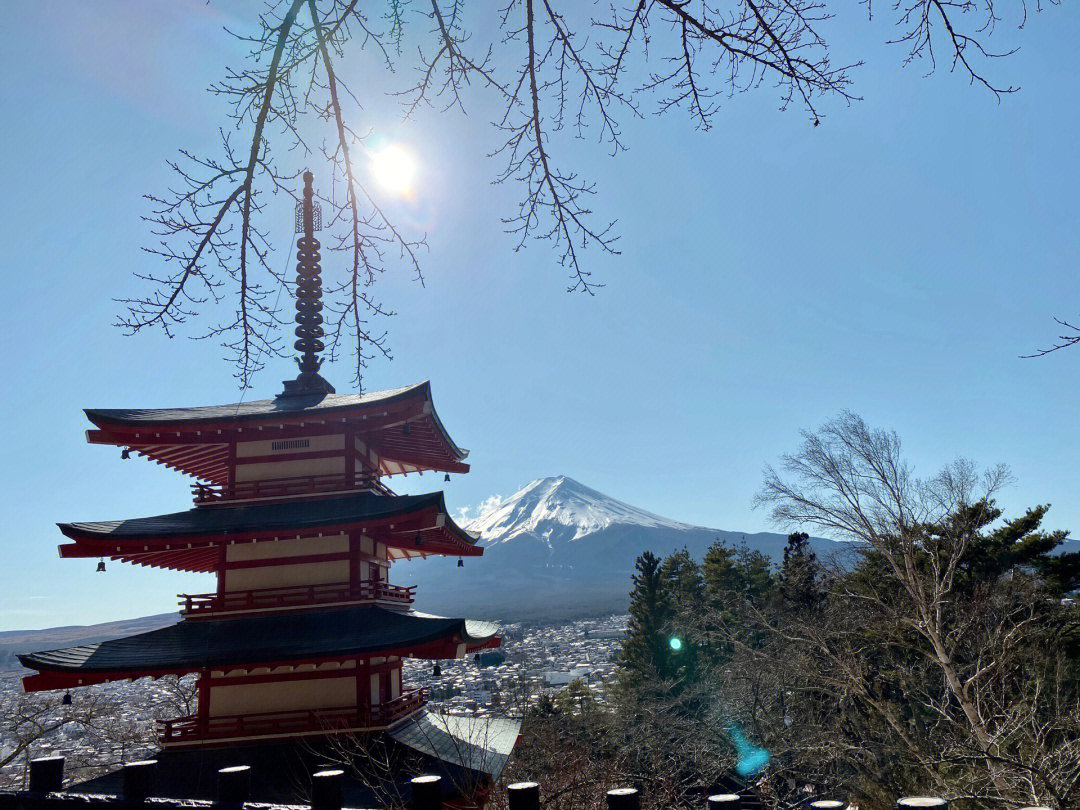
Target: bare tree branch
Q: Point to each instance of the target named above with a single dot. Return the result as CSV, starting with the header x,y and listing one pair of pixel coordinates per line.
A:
x,y
556,70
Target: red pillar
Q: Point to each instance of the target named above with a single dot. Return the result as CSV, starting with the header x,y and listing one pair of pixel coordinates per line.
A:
x,y
203,709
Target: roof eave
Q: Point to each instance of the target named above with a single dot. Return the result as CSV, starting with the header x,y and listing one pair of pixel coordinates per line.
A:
x,y
112,417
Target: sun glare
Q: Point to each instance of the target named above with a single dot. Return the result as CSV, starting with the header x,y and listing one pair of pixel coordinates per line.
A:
x,y
394,168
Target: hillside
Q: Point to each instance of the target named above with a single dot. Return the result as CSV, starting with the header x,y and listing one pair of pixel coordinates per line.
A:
x,y
13,642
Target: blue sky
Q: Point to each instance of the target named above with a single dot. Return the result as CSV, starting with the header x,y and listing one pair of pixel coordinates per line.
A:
x,y
894,261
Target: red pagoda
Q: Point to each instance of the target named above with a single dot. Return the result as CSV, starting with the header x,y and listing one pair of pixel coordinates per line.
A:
x,y
304,637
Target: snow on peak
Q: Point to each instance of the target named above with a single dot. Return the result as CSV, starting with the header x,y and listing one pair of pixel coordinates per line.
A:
x,y
560,506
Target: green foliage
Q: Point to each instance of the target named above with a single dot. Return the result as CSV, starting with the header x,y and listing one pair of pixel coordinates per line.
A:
x,y
577,698
645,652
800,573
755,575
719,573
681,579
834,670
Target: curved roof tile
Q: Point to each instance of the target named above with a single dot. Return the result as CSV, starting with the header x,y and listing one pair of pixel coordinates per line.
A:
x,y
252,640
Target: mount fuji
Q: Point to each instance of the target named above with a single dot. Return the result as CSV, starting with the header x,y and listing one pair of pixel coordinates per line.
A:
x,y
559,549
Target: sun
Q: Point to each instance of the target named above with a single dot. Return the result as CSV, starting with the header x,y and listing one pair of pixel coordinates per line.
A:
x,y
394,168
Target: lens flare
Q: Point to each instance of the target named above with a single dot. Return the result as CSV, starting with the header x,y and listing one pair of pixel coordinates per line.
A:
x,y
751,759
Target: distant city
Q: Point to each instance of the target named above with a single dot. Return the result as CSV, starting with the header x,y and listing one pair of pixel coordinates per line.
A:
x,y
533,660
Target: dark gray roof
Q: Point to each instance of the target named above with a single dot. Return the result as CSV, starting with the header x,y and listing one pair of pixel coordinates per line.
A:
x,y
256,409
481,744
260,639
292,515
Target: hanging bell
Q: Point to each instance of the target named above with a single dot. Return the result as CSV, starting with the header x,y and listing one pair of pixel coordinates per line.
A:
x,y
66,701
101,566
460,563
405,429
418,539
125,453
436,671
446,478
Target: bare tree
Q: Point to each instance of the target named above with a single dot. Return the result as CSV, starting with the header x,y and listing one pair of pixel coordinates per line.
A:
x,y
95,732
373,761
949,638
180,696
555,70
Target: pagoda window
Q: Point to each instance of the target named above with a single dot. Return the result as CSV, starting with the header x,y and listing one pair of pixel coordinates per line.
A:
x,y
290,444
395,683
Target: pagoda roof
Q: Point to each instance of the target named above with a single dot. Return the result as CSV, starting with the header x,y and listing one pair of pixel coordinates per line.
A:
x,y
167,434
275,640
186,540
480,744
256,409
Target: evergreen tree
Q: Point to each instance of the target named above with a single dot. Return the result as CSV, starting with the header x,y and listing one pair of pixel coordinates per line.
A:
x,y
721,584
1016,545
544,707
719,573
577,699
800,573
645,650
754,575
681,576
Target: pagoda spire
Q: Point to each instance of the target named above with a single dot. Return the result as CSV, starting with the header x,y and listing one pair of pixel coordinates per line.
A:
x,y
309,305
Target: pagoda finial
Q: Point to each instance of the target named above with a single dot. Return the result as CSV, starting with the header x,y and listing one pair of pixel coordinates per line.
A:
x,y
309,306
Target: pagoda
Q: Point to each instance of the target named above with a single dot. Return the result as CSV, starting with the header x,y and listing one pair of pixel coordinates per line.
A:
x,y
304,637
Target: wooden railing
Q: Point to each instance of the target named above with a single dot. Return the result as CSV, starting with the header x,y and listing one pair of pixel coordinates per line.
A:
x,y
200,604
268,724
286,487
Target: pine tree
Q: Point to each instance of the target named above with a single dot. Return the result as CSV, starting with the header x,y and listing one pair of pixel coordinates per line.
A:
x,y
719,572
800,574
1017,544
681,576
754,575
644,652
576,699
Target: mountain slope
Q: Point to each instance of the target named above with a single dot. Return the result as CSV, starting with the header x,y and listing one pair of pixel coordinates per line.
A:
x,y
558,548
15,642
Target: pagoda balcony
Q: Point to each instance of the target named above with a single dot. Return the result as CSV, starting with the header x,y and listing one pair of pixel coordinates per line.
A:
x,y
296,486
193,729
269,599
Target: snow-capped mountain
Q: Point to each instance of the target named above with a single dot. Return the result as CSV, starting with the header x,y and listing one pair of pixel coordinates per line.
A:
x,y
561,508
559,548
